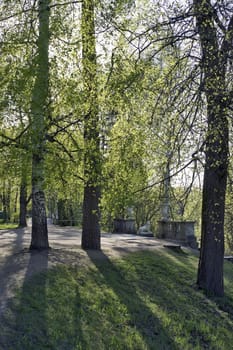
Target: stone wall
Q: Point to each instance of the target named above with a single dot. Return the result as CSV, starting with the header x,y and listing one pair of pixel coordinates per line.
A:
x,y
124,226
178,230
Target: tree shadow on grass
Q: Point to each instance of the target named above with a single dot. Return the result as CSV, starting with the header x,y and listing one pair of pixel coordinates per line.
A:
x,y
79,341
33,318
142,319
11,265
173,290
25,325
226,303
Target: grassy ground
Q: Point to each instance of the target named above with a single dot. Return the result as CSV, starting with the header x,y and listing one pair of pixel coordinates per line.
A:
x,y
7,225
143,301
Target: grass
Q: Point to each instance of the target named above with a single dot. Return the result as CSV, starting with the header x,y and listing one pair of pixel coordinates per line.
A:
x,y
7,225
145,300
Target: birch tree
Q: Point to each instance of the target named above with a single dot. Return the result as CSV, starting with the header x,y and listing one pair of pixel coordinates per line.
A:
x,y
39,113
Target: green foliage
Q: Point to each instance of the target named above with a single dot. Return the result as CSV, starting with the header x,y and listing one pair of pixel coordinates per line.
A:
x,y
186,206
144,301
124,169
147,207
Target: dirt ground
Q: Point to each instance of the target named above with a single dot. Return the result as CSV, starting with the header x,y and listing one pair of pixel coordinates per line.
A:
x,y
18,264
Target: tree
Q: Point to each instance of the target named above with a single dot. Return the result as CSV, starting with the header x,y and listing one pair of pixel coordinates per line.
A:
x,y
23,202
124,170
215,56
92,155
24,199
207,57
39,112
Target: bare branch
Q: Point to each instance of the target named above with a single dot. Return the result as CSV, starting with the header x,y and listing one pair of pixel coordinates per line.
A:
x,y
168,177
66,3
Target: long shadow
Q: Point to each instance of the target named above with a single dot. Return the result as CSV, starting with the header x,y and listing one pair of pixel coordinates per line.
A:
x,y
12,260
17,266
176,295
31,318
25,321
79,339
141,317
226,303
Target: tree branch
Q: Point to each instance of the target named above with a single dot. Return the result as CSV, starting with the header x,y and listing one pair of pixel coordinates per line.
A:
x,y
168,177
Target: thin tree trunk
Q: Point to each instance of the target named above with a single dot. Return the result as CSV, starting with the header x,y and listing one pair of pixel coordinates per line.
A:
x,y
23,204
92,159
6,199
39,112
23,199
16,201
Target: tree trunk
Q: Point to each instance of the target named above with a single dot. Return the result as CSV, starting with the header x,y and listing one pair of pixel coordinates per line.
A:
x,y
23,204
16,201
210,271
38,120
91,227
6,199
92,158
39,239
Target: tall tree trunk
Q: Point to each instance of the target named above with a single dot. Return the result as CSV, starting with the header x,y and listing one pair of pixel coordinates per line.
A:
x,y
38,120
166,208
92,158
16,201
210,271
23,203
23,199
6,201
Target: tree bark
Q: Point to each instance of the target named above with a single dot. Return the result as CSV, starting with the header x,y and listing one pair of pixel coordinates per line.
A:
x,y
6,199
91,227
210,270
23,203
38,120
92,159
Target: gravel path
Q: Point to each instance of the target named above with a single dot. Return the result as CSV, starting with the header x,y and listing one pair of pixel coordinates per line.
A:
x,y
17,263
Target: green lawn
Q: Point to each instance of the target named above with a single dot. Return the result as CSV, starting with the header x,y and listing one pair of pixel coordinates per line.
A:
x,y
146,300
7,226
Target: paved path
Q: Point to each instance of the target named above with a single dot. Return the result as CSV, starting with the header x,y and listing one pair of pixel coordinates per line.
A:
x,y
17,263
